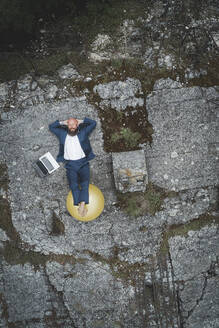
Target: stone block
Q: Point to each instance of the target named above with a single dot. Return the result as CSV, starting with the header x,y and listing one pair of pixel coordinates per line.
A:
x,y
130,172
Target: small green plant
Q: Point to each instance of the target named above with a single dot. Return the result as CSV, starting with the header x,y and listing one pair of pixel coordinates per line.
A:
x,y
129,137
154,200
115,137
117,63
119,116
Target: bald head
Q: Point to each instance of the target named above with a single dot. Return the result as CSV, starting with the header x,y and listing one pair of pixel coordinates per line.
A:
x,y
72,126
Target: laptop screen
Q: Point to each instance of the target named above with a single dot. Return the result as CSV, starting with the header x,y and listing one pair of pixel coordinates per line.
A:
x,y
47,163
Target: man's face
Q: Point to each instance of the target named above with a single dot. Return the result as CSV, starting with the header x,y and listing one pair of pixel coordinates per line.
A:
x,y
72,126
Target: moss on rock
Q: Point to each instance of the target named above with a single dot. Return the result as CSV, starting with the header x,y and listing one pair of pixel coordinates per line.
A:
x,y
58,227
183,229
141,203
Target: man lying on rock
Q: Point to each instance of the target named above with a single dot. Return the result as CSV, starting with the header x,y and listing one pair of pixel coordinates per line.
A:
x,y
76,152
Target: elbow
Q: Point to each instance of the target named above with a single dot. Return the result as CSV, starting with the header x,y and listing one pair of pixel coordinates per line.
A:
x,y
89,121
50,127
94,123
53,125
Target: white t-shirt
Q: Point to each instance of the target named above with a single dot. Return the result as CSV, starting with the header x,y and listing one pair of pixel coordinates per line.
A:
x,y
72,148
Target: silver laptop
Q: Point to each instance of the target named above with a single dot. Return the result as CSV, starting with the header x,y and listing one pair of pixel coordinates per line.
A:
x,y
46,164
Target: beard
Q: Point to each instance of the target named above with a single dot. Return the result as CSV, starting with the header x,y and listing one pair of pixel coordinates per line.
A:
x,y
72,133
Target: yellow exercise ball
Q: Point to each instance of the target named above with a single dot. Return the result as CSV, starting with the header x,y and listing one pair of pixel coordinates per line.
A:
x,y
95,206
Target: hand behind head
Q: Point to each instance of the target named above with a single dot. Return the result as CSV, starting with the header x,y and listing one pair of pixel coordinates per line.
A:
x,y
72,124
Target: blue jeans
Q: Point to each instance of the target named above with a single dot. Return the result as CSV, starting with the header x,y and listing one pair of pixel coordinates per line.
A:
x,y
78,173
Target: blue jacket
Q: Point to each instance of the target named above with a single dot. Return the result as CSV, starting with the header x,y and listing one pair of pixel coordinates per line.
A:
x,y
84,128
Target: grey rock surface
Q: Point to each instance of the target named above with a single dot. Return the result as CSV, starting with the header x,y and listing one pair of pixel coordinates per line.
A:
x,y
195,263
87,294
68,72
206,311
97,274
118,271
3,235
184,154
188,205
28,298
194,254
27,294
130,172
100,48
120,94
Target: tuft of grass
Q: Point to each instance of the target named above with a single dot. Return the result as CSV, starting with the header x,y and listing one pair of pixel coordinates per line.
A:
x,y
117,63
133,209
153,199
119,116
130,138
115,137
